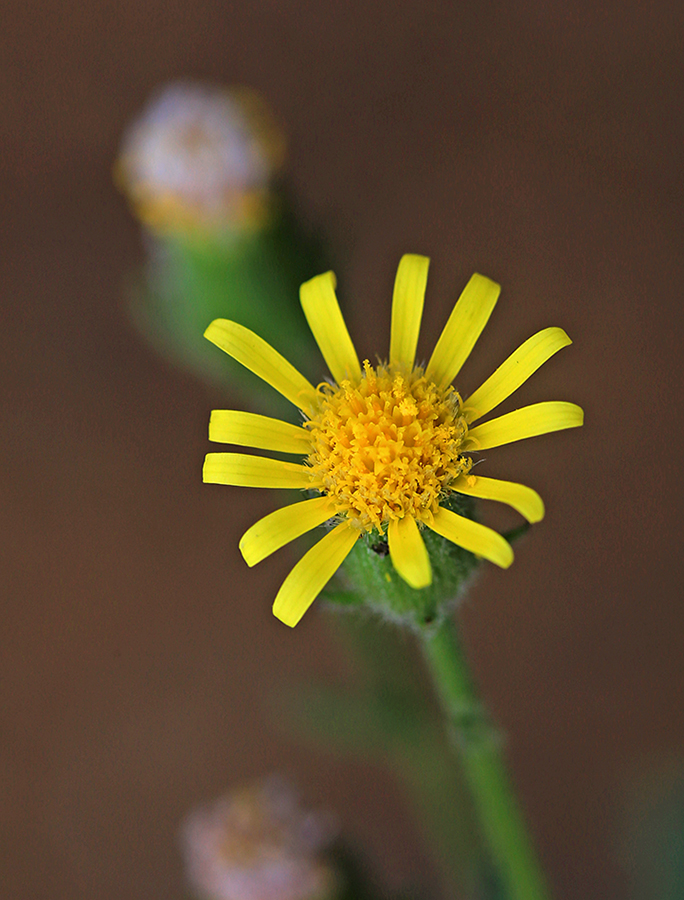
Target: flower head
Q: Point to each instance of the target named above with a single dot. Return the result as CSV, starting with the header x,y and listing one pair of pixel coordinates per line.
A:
x,y
257,843
384,446
199,160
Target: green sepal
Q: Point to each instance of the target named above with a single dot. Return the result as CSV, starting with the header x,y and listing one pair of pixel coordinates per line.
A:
x,y
369,579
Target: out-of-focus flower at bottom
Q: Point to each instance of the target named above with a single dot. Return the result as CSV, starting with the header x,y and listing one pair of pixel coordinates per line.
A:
x,y
257,843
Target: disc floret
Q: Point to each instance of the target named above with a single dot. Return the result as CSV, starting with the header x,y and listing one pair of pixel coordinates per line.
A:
x,y
387,446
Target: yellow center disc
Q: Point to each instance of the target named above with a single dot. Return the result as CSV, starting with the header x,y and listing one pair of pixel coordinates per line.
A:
x,y
388,446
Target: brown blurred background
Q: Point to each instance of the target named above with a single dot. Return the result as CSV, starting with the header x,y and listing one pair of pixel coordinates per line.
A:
x,y
538,143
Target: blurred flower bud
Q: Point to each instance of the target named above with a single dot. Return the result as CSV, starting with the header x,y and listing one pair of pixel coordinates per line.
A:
x,y
256,843
223,235
199,160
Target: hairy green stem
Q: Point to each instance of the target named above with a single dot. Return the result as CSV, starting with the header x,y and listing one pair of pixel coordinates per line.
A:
x,y
500,817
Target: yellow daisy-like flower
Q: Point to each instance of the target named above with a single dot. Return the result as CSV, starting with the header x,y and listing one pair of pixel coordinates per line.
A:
x,y
383,446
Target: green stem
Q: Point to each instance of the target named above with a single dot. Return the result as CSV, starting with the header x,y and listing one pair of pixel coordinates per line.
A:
x,y
498,812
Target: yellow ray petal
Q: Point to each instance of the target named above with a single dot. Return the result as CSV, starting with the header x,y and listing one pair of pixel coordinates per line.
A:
x,y
325,320
243,470
479,539
530,421
515,371
311,574
407,309
231,426
523,499
463,328
259,357
282,526
408,553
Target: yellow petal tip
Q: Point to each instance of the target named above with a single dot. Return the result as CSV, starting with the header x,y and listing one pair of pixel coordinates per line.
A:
x,y
247,550
207,469
286,617
414,259
507,558
213,328
537,514
318,279
486,282
501,554
418,583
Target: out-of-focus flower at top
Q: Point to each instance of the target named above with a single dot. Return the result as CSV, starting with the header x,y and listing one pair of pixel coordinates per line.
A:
x,y
200,159
383,447
257,843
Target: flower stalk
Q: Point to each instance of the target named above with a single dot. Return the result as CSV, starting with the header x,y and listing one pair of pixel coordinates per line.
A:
x,y
479,749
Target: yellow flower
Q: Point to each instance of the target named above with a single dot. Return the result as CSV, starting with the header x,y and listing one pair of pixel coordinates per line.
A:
x,y
383,445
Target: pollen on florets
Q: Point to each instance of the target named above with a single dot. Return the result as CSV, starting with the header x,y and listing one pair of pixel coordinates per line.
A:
x,y
386,446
